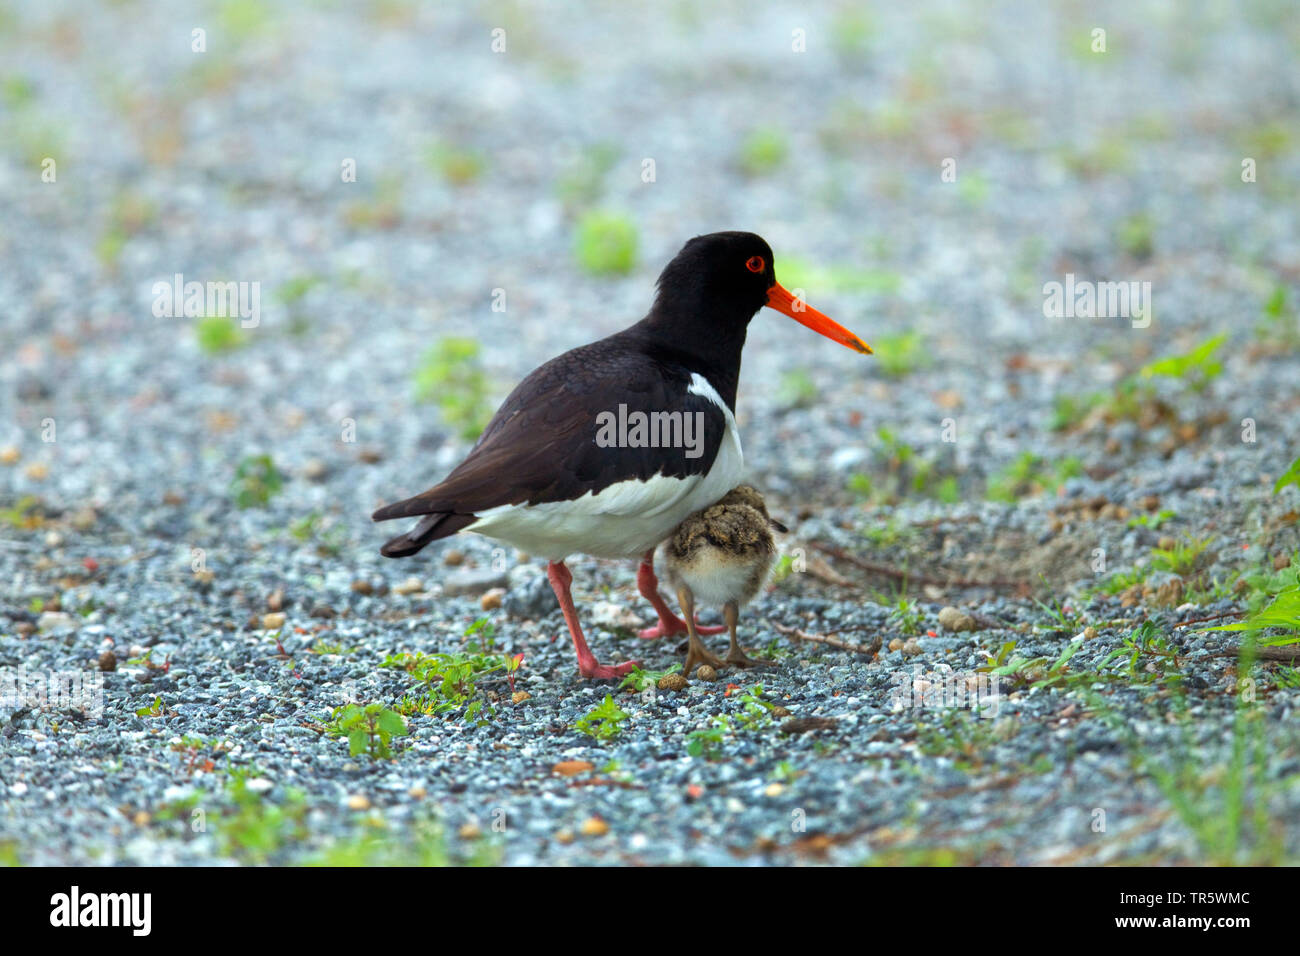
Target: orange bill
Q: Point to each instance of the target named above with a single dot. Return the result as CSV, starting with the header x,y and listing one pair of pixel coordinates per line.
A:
x,y
779,298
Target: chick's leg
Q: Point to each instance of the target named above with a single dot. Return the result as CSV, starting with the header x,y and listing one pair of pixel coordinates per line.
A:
x,y
736,655
669,623
696,652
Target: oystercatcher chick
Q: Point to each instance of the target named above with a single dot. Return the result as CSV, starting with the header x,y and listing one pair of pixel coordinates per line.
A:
x,y
607,448
721,556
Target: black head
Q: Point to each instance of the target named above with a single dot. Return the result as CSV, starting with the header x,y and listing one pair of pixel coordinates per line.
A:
x,y
707,296
722,278
717,283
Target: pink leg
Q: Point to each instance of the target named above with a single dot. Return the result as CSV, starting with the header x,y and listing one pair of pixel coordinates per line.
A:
x,y
561,578
669,623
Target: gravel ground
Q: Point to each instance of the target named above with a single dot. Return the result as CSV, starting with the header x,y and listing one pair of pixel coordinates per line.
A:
x,y
226,636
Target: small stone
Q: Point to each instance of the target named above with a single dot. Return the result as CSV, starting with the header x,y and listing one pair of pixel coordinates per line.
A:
x,y
141,818
205,576
896,644
471,581
363,587
275,601
1131,597
108,661
673,681
83,519
38,471
53,620
370,455
1090,633
453,558
358,801
491,600
564,836
531,601
911,648
469,831
1166,543
9,455
519,696
594,826
706,672
609,614
1151,502
273,622
323,611
1281,562
800,725
417,792
409,586
314,469
1241,586
571,768
779,711
773,790
951,619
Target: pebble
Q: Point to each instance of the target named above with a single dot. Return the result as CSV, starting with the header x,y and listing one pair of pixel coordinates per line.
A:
x,y
593,826
358,801
705,672
409,586
570,768
535,599
491,600
672,682
273,622
952,619
472,581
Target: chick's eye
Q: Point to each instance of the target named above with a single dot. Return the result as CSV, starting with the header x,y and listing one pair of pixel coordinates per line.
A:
x,y
755,264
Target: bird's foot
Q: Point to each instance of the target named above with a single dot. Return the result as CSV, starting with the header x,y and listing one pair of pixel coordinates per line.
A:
x,y
697,654
673,625
737,657
596,671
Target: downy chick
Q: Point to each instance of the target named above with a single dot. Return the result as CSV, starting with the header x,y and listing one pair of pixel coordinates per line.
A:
x,y
721,556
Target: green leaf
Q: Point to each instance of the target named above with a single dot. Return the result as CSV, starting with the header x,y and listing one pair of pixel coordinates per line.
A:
x,y
357,741
1291,477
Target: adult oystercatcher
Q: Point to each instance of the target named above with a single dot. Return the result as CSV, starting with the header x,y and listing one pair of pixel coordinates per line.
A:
x,y
606,448
721,555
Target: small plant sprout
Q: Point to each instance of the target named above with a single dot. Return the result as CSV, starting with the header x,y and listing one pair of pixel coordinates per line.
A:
x,y
606,244
451,376
256,480
369,729
1195,370
604,722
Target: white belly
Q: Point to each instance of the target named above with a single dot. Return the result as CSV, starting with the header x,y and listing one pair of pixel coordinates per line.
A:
x,y
716,578
625,519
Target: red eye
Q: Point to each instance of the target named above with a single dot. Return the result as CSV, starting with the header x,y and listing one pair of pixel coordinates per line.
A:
x,y
755,264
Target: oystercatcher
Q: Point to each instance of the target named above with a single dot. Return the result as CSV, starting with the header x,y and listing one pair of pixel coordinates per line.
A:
x,y
606,448
721,555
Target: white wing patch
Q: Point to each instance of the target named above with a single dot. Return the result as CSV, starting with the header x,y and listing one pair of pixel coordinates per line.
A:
x,y
626,518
